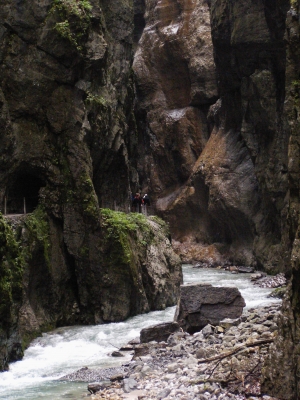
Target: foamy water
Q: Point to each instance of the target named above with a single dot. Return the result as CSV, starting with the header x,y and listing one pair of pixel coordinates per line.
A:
x,y
66,350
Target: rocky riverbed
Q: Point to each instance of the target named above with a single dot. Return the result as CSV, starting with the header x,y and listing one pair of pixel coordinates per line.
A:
x,y
219,362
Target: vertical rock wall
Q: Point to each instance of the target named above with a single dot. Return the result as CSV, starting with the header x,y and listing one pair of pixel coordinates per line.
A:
x,y
239,192
68,143
210,92
67,127
281,372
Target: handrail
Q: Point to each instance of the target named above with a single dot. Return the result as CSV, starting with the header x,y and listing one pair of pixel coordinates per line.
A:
x,y
21,205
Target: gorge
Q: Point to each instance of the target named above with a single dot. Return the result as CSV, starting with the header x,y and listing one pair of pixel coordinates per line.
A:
x,y
195,103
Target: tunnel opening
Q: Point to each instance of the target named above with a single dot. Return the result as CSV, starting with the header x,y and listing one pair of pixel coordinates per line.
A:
x,y
23,194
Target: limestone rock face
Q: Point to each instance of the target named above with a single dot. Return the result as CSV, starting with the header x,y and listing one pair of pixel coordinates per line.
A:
x,y
281,370
203,304
68,143
215,139
132,269
175,74
65,110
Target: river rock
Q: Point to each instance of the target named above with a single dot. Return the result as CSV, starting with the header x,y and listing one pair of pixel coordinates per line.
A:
x,y
117,354
245,270
159,333
278,280
203,304
97,386
129,384
257,275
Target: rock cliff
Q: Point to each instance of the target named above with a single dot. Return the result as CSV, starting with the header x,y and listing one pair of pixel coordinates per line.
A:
x,y
218,122
67,148
196,103
281,373
128,268
210,95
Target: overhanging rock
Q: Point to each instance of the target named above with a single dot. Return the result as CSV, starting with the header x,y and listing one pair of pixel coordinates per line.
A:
x,y
202,304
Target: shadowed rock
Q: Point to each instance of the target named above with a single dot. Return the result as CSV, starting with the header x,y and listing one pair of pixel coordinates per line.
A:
x,y
97,386
159,332
202,304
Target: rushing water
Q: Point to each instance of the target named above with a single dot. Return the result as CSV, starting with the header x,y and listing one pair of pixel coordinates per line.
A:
x,y
65,350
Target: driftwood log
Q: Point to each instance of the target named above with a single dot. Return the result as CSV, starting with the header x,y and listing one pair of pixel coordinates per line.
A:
x,y
235,350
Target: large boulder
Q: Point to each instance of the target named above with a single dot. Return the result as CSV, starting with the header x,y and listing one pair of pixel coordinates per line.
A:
x,y
202,304
159,333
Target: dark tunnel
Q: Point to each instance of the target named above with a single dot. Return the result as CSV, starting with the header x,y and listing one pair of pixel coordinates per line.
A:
x,y
23,194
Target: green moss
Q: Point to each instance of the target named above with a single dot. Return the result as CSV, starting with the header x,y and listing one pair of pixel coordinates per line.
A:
x,y
84,251
126,237
79,193
38,229
75,20
12,263
88,197
95,100
294,3
120,227
278,292
162,224
28,337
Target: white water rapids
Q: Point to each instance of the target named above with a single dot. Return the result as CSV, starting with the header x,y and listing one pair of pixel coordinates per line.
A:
x,y
66,350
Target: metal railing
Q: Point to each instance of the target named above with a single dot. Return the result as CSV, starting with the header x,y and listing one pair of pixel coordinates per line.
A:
x,y
19,205
128,208
24,205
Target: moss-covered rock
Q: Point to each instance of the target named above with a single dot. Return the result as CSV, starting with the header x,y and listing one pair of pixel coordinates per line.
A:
x,y
124,267
140,270
12,264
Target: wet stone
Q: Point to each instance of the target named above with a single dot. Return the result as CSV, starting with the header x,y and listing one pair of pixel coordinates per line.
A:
x,y
189,367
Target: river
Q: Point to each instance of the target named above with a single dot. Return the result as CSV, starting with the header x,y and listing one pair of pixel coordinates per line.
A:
x,y
65,350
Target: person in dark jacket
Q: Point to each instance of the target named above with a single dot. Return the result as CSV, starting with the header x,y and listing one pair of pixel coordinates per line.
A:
x,y
136,203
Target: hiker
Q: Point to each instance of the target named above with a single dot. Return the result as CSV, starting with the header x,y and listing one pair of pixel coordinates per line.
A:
x,y
146,200
137,202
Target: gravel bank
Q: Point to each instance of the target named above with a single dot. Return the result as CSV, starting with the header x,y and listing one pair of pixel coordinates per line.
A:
x,y
219,363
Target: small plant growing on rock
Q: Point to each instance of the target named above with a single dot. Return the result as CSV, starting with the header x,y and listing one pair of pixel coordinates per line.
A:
x,y
75,20
94,99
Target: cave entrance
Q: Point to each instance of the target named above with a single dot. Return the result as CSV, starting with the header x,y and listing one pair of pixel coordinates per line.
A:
x,y
23,195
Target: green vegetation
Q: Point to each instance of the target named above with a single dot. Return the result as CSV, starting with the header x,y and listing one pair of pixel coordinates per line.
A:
x,y
14,256
75,19
164,226
94,99
278,292
88,197
12,263
38,230
79,193
294,3
120,228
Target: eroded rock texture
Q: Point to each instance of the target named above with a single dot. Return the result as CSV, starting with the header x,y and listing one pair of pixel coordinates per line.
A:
x,y
281,372
68,143
210,78
203,304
